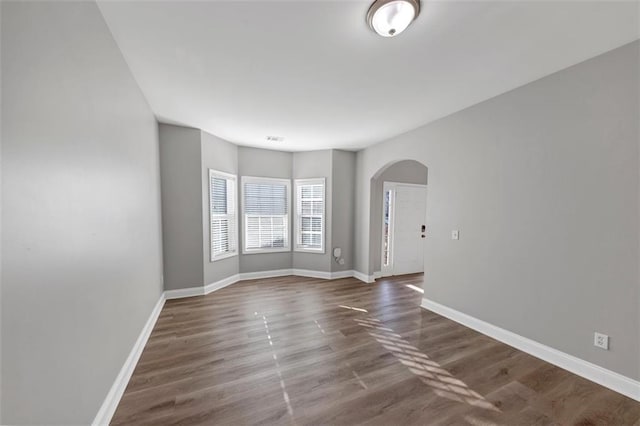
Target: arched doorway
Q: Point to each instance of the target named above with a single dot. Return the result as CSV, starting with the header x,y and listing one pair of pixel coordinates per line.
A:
x,y
398,218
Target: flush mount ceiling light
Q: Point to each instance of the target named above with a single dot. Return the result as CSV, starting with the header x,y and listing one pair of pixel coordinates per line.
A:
x,y
391,17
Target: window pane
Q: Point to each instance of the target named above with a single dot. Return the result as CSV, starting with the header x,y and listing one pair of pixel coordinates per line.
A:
x,y
310,202
253,231
387,218
265,210
306,207
311,223
218,195
317,207
223,219
265,199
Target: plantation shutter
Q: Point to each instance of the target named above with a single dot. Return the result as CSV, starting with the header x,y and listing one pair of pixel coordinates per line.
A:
x,y
266,214
222,190
310,214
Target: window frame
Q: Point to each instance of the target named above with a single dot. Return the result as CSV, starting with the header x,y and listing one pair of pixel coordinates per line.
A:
x,y
233,233
258,179
298,215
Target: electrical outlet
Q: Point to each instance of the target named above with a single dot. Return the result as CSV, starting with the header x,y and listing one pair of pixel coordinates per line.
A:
x,y
601,341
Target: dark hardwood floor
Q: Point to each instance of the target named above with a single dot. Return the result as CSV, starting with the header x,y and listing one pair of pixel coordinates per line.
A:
x,y
307,351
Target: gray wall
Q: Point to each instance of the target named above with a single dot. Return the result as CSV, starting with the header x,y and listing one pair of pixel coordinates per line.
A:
x,y
186,155
315,164
343,203
405,171
82,258
222,156
264,163
185,203
543,184
182,213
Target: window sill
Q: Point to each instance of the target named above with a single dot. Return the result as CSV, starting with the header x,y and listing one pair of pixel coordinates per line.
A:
x,y
223,256
266,251
308,250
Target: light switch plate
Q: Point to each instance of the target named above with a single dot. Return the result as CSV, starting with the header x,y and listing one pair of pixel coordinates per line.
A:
x,y
455,234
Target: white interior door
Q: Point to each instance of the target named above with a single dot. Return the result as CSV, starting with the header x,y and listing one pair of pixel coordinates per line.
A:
x,y
409,207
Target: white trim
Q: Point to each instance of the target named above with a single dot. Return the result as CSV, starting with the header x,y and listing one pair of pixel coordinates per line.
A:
x,y
590,371
296,272
223,256
311,274
201,291
307,250
415,185
387,187
296,216
221,284
184,292
233,233
363,277
111,401
376,275
342,274
223,175
389,270
265,274
268,250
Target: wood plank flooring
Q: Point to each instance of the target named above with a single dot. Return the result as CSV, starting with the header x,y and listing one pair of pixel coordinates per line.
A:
x,y
306,351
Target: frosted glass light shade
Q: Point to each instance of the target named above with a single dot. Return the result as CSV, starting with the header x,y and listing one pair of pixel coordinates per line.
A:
x,y
391,17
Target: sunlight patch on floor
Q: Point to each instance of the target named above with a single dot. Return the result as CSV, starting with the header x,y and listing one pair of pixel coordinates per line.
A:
x,y
429,371
353,309
285,394
415,288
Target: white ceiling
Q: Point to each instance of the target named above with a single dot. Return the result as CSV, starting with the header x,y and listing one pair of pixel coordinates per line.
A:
x,y
314,73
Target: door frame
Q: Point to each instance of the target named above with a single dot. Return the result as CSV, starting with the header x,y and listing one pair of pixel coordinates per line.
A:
x,y
391,186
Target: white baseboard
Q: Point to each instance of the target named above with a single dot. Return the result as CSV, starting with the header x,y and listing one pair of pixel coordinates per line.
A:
x,y
341,274
323,274
184,292
590,371
363,277
377,274
312,274
265,274
201,291
108,407
221,284
301,273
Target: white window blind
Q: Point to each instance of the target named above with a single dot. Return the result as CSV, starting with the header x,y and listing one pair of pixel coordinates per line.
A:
x,y
222,209
310,201
266,208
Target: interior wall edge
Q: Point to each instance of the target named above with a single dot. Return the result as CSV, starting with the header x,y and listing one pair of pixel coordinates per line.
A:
x,y
110,403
